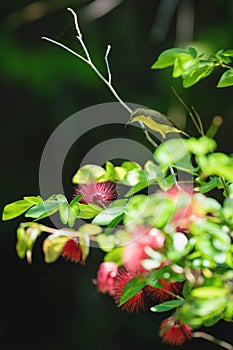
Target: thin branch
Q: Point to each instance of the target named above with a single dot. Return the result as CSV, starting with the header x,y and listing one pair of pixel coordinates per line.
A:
x,y
75,21
212,339
107,64
188,109
198,120
79,36
66,232
66,48
88,60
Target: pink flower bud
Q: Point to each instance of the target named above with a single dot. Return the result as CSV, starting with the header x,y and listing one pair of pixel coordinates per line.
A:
x,y
105,277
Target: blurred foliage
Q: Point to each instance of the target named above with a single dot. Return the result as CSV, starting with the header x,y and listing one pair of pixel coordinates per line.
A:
x,y
41,86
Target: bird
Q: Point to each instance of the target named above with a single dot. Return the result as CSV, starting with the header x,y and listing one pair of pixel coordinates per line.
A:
x,y
154,120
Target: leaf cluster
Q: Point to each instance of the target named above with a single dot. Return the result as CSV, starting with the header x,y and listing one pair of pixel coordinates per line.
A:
x,y
192,66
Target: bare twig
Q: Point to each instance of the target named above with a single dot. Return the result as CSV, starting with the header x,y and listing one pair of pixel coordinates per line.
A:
x,y
87,59
107,64
195,122
212,339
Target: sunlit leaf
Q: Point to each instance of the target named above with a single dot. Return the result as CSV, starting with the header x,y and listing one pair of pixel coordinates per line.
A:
x,y
84,242
208,292
167,306
87,211
88,174
108,215
198,72
226,79
106,242
64,212
183,62
167,58
43,209
15,209
217,164
90,229
33,199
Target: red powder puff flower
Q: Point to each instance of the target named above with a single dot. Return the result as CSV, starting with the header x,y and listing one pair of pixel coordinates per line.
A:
x,y
134,253
72,251
173,332
140,301
97,193
106,276
166,292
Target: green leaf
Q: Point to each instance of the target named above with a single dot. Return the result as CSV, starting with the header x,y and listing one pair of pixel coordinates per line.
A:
x,y
43,209
106,243
186,290
33,199
167,306
228,53
226,79
53,245
75,200
71,217
205,187
15,209
219,164
21,245
109,174
163,213
200,146
152,170
90,229
115,255
222,58
183,62
228,313
120,173
108,215
196,311
118,203
196,73
208,292
136,206
25,241
84,242
193,51
134,177
207,204
134,286
171,152
88,174
87,211
167,58
64,212
212,321
130,165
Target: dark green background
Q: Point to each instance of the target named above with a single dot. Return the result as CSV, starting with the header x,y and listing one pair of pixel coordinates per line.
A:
x,y
56,306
